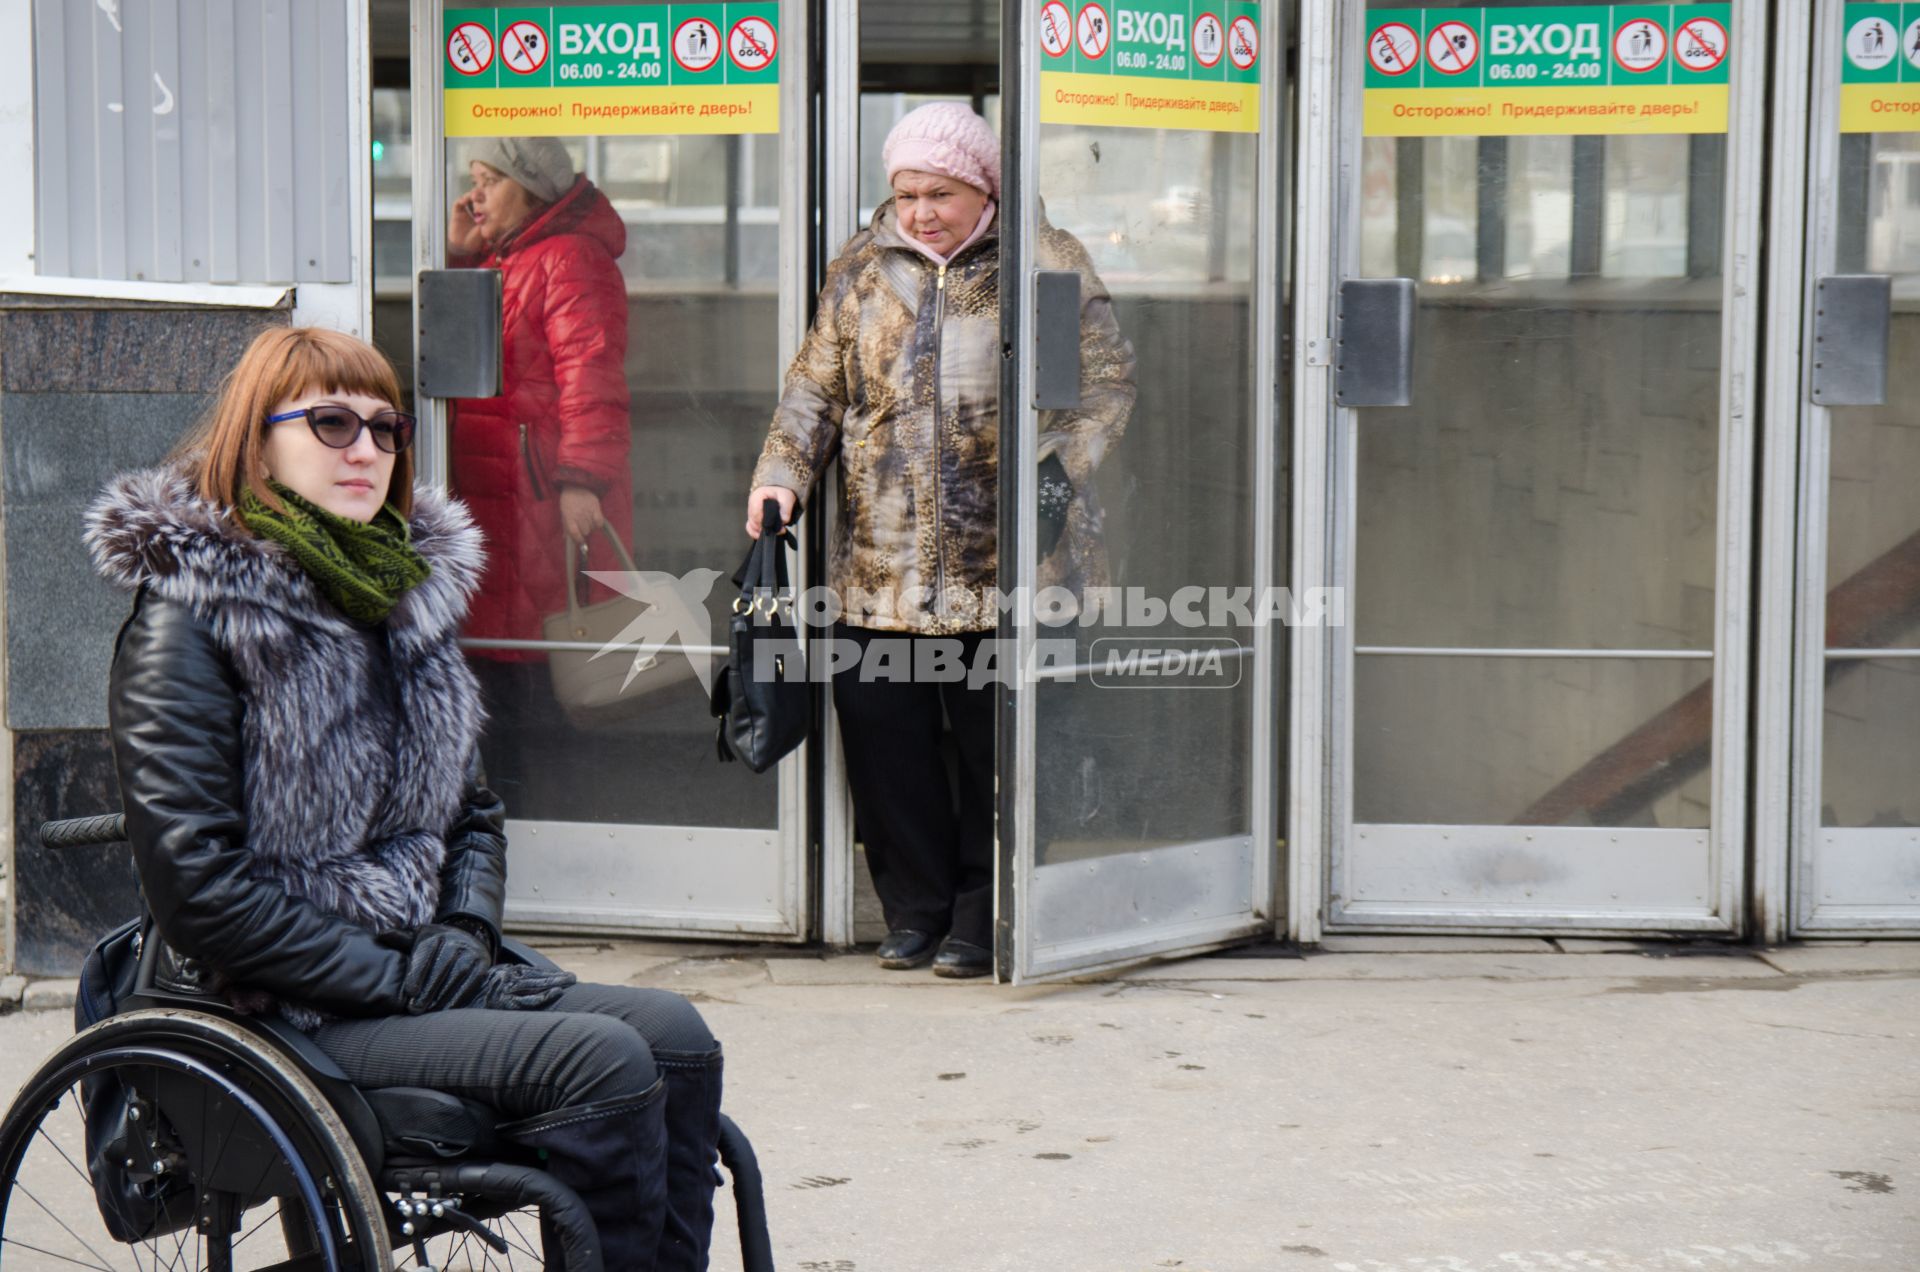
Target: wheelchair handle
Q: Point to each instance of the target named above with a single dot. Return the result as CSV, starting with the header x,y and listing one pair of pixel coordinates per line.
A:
x,y
80,832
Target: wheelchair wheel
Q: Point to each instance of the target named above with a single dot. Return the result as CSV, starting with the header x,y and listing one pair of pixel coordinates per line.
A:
x,y
171,1139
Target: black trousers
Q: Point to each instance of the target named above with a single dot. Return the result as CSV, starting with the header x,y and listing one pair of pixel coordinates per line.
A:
x,y
597,1046
598,1042
929,846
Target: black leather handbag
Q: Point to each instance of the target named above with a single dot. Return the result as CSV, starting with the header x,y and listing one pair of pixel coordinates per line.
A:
x,y
760,696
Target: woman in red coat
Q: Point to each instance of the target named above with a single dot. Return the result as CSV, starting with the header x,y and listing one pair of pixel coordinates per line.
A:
x,y
549,455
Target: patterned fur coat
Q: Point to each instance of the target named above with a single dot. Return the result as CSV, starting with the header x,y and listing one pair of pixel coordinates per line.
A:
x,y
900,377
355,741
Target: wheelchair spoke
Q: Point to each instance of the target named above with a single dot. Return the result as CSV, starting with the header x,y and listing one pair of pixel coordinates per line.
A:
x,y
21,1245
64,1227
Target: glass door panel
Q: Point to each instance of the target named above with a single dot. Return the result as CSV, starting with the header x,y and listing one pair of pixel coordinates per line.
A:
x,y
633,203
1857,837
1137,736
1547,544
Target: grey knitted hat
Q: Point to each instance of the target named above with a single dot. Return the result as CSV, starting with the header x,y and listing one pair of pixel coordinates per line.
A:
x,y
540,164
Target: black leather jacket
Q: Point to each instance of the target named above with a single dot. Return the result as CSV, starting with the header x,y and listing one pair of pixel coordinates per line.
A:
x,y
176,706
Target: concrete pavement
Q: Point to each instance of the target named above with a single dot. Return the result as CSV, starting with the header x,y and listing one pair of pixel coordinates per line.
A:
x,y
1391,1105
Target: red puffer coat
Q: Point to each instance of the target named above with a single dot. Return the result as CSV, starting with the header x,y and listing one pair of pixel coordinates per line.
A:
x,y
562,419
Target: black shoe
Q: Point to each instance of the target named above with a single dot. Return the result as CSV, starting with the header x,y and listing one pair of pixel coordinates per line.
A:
x,y
905,948
961,960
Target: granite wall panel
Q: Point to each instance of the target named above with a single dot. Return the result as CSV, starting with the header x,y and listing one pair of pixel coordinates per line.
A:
x,y
64,901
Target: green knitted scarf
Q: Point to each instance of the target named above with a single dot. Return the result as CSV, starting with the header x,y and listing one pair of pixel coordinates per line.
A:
x,y
362,569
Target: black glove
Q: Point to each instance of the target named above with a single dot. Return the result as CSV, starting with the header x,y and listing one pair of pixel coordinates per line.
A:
x,y
517,987
446,968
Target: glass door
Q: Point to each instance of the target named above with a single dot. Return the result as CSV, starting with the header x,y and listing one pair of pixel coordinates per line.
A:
x,y
1537,713
1856,838
636,173
1139,292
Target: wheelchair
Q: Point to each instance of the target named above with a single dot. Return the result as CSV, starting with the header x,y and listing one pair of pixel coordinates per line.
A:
x,y
176,1133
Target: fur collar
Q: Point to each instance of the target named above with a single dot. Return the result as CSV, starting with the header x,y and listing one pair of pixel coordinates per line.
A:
x,y
149,529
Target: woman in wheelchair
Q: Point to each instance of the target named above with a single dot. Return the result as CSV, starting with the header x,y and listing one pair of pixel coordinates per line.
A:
x,y
295,731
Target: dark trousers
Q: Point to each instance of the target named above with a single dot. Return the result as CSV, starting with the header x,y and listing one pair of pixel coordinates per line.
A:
x,y
598,1043
930,848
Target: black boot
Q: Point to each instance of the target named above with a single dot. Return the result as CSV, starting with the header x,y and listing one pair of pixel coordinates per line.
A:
x,y
693,1148
614,1154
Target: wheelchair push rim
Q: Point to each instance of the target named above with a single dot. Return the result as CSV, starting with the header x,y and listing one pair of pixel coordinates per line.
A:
x,y
171,1092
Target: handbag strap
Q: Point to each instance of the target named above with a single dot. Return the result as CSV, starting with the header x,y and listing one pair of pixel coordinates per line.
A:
x,y
764,572
574,564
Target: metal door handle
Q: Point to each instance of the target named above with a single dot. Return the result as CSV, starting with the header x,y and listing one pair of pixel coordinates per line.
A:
x,y
1852,319
1056,339
457,346
1373,342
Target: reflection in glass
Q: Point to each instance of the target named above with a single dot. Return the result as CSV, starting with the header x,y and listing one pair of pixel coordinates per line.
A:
x,y
1532,741
692,387
1868,752
1872,748
1168,220
1646,207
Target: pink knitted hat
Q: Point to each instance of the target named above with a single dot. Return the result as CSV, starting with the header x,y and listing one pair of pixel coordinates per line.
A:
x,y
947,138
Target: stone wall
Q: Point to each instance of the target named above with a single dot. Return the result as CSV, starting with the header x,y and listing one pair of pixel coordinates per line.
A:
x,y
88,389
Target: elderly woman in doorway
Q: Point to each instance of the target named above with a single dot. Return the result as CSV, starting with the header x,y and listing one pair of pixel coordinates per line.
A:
x,y
900,377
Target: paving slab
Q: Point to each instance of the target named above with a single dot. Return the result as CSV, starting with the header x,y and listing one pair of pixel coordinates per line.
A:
x,y
1435,945
1433,1121
49,995
1834,960
1451,967
858,969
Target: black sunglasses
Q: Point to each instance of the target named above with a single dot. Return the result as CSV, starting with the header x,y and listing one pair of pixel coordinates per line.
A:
x,y
338,427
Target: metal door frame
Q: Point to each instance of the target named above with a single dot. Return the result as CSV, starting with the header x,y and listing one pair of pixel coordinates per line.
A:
x,y
784,916
1812,426
1325,488
1017,888
839,197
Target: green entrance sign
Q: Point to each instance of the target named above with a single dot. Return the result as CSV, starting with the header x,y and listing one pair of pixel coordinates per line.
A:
x,y
1880,68
1553,69
529,70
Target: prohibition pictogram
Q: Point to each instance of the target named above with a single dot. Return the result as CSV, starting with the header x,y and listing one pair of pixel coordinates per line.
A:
x,y
1093,32
1870,44
1393,49
1699,44
1209,40
1639,45
1453,48
1243,42
523,47
1056,28
470,48
696,45
752,43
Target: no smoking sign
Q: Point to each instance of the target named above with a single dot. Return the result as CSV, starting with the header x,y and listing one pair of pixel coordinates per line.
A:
x,y
470,48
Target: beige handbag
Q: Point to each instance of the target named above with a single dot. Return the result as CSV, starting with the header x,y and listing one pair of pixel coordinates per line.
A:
x,y
592,685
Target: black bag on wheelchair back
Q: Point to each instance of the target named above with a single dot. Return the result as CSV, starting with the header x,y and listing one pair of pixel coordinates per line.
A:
x,y
133,1209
